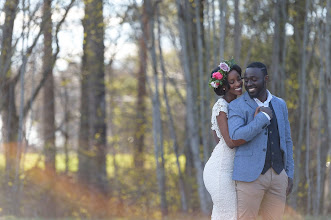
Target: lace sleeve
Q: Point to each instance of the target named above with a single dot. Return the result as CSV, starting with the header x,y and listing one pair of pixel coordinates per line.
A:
x,y
220,106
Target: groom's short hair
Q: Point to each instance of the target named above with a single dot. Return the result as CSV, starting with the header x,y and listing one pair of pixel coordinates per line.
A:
x,y
259,65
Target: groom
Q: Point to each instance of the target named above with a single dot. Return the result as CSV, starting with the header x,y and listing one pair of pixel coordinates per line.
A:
x,y
263,167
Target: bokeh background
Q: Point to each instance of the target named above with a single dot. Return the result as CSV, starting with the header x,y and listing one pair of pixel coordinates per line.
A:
x,y
105,105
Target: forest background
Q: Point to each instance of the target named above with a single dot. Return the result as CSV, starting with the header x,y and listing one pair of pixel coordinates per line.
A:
x,y
105,106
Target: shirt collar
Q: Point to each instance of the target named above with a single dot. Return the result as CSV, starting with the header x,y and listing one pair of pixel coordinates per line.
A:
x,y
266,103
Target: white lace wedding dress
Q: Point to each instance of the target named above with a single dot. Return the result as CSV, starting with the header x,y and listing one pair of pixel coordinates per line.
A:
x,y
217,174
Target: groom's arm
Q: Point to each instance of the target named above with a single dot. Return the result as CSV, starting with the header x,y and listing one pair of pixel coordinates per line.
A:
x,y
289,145
289,169
238,129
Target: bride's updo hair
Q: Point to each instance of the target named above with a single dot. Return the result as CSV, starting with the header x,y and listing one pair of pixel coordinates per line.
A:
x,y
219,90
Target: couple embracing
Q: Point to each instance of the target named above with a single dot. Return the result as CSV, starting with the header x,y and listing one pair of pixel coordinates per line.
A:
x,y
251,168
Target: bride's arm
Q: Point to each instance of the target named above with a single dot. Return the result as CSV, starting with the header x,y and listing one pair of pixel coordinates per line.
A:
x,y
222,122
215,136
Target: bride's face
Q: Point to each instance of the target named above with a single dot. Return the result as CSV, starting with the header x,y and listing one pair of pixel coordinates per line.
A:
x,y
235,83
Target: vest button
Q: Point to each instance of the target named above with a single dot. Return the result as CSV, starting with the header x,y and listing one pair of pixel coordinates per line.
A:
x,y
264,149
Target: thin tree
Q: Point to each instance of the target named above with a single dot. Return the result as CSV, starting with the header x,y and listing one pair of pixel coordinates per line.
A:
x,y
328,77
317,200
151,9
201,80
278,48
303,103
49,106
171,125
223,10
237,32
308,156
141,94
214,43
192,127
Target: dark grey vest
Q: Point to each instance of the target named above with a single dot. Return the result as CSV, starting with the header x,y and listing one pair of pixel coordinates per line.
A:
x,y
274,156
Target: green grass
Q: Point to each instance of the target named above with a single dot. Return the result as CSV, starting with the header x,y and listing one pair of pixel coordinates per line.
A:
x,y
122,160
125,163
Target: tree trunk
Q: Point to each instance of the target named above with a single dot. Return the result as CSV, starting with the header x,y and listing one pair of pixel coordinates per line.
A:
x,y
49,110
237,32
201,81
66,129
276,49
302,108
209,66
192,127
92,152
325,143
10,11
94,28
83,142
307,165
8,108
319,166
223,10
328,81
214,44
141,103
283,44
279,49
49,99
12,123
157,121
9,134
171,125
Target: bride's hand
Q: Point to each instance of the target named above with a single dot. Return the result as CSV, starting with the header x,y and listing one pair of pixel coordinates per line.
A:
x,y
257,111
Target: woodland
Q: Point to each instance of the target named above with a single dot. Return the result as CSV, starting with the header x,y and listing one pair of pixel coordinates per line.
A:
x,y
105,105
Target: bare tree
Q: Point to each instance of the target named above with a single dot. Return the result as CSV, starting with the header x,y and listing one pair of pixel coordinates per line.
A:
x,y
192,127
201,74
318,195
278,48
151,8
8,81
328,78
49,107
303,103
8,108
223,10
214,43
141,95
237,32
171,125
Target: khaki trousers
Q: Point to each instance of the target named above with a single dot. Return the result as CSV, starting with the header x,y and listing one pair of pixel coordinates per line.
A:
x,y
266,194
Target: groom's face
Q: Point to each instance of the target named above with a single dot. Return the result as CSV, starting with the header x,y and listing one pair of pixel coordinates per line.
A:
x,y
255,82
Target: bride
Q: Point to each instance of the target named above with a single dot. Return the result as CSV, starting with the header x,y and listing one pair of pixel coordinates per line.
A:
x,y
217,175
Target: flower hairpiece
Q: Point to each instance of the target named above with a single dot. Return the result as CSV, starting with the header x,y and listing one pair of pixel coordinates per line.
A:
x,y
220,76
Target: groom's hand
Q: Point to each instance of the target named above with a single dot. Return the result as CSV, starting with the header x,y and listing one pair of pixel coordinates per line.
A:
x,y
257,110
267,110
289,186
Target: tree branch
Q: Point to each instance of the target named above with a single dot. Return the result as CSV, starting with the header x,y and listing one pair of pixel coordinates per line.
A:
x,y
54,58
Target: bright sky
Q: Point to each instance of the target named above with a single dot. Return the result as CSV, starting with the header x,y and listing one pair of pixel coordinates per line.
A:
x,y
71,34
71,38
